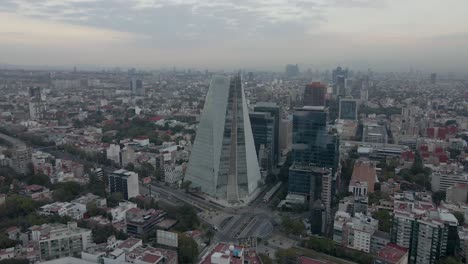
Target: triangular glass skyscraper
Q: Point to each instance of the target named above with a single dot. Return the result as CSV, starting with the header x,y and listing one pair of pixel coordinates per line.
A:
x,y
223,163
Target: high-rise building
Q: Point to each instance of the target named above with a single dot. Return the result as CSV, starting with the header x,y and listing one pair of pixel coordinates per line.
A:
x,y
124,182
348,109
274,110
136,87
37,104
315,156
314,94
223,163
285,134
430,234
339,77
292,70
433,77
21,158
263,131
312,142
433,239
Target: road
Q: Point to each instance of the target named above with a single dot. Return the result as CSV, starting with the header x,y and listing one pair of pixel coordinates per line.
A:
x,y
255,220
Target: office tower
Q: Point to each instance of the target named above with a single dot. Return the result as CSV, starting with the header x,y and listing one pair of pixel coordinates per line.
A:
x,y
292,70
433,78
315,156
339,77
124,182
136,87
223,163
274,110
314,94
285,134
263,131
312,142
348,109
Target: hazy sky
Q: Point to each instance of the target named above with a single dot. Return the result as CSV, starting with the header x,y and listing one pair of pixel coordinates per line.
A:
x,y
266,34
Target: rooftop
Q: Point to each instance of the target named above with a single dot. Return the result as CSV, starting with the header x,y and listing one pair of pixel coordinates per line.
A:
x,y
392,253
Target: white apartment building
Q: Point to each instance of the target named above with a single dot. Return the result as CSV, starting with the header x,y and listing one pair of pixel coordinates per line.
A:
x,y
58,240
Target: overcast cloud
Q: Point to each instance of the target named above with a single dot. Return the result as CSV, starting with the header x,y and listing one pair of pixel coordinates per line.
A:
x,y
265,34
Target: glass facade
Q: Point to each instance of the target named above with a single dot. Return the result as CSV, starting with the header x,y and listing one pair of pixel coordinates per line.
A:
x,y
313,146
223,162
274,110
263,130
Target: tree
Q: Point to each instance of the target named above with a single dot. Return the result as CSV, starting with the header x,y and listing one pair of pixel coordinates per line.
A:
x,y
449,260
130,166
5,242
438,196
186,185
39,179
114,199
67,191
187,250
385,220
265,259
187,217
460,217
14,261
292,226
286,256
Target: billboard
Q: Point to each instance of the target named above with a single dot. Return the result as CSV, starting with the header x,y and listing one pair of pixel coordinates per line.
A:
x,y
166,238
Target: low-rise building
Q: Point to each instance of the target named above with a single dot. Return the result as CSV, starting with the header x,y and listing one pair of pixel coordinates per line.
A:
x,y
392,254
75,211
36,192
230,254
142,222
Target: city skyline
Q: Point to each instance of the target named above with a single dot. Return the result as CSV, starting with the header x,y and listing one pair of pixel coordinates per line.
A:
x,y
383,35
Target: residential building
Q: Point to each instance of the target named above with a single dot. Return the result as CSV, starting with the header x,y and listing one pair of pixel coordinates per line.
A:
x,y
136,87
125,182
379,240
58,240
433,238
113,153
444,177
360,229
36,192
230,254
21,158
75,211
223,163
457,193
